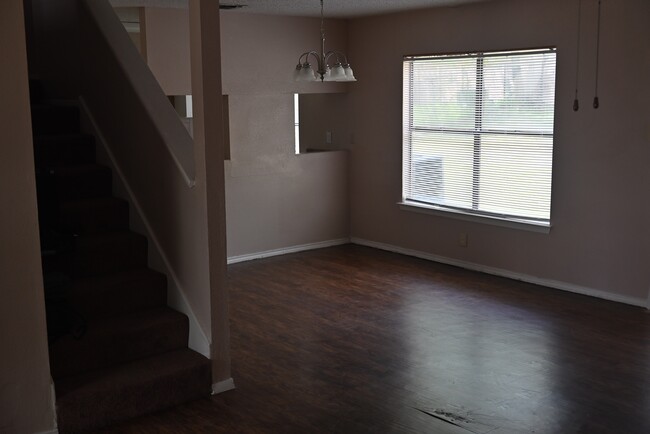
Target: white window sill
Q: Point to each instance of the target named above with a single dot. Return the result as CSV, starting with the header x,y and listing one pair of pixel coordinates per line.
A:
x,y
521,224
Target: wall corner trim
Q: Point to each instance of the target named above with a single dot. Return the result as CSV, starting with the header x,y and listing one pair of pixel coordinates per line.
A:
x,y
554,284
286,250
223,386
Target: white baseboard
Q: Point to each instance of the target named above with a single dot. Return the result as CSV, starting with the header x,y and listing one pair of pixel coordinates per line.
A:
x,y
223,386
198,340
286,250
555,284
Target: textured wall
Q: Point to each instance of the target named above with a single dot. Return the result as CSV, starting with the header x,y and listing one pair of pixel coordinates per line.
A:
x,y
599,238
274,198
168,48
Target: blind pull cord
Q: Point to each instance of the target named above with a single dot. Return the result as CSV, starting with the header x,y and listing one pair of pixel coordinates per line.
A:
x,y
576,104
596,102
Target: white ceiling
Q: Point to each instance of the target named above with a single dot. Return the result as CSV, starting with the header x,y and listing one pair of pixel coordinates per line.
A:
x,y
309,8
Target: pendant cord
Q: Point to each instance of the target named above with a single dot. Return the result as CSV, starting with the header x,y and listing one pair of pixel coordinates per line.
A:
x,y
596,102
576,105
322,26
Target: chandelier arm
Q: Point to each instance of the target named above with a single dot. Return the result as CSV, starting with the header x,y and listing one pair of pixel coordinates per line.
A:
x,y
338,54
319,60
305,56
320,65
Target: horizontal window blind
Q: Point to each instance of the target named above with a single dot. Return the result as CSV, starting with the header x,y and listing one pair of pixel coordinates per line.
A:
x,y
478,132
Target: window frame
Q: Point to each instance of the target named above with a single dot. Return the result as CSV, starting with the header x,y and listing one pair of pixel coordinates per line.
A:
x,y
533,224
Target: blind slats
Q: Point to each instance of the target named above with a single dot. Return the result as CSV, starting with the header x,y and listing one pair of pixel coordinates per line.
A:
x,y
478,132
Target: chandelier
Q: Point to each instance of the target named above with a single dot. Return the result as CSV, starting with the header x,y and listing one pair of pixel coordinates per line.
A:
x,y
341,71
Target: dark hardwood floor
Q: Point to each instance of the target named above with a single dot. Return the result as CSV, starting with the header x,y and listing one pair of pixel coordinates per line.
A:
x,y
355,340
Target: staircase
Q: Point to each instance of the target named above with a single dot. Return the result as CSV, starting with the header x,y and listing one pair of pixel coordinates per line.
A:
x,y
116,350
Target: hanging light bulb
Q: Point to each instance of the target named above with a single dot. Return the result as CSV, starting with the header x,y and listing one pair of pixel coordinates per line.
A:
x,y
341,71
348,73
304,72
338,73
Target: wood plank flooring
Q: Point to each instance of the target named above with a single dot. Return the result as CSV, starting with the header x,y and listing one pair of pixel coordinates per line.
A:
x,y
355,340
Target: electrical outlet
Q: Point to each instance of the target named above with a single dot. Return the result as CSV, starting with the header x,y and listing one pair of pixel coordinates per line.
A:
x,y
328,137
462,239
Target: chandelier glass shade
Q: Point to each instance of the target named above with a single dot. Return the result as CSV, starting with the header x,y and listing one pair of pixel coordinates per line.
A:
x,y
340,71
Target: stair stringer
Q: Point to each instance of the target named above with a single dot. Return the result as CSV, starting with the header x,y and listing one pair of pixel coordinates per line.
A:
x,y
157,260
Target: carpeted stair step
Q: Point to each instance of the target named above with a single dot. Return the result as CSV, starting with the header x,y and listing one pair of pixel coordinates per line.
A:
x,y
63,149
109,252
62,319
59,184
101,253
101,398
94,215
81,181
118,293
56,117
119,339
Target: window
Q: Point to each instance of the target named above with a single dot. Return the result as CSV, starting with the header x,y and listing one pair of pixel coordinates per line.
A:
x,y
478,133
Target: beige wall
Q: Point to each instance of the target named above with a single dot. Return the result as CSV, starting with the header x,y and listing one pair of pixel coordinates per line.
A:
x,y
25,397
270,192
168,48
599,238
259,52
274,198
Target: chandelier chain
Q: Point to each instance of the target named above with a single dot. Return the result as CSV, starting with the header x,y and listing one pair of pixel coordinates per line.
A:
x,y
322,19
